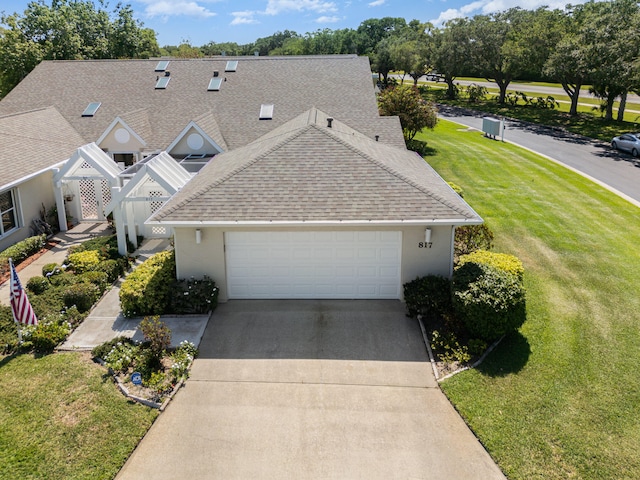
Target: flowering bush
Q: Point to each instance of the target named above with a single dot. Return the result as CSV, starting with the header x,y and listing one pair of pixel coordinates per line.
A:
x,y
122,356
182,358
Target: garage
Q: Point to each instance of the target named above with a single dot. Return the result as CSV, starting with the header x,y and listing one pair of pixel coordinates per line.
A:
x,y
313,264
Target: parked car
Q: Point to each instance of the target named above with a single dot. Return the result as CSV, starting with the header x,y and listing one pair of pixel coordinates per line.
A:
x,y
629,142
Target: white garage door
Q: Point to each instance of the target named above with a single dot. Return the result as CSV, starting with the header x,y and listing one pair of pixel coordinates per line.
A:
x,y
338,264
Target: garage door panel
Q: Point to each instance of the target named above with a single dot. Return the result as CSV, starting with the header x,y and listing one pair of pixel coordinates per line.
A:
x,y
313,264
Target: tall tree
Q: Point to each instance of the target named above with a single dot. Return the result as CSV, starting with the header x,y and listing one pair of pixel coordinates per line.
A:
x,y
415,113
372,31
451,56
68,30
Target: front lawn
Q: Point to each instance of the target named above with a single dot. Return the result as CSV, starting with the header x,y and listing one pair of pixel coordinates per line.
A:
x,y
560,399
62,418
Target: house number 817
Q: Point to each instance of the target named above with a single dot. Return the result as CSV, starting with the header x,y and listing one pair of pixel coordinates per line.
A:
x,y
424,245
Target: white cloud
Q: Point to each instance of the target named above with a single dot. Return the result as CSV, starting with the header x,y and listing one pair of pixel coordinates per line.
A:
x,y
485,7
377,3
244,18
275,7
169,8
325,19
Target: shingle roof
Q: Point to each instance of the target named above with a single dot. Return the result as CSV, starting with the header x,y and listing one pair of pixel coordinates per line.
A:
x,y
338,84
307,172
34,141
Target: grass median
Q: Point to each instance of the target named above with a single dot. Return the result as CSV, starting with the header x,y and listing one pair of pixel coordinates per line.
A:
x,y
560,399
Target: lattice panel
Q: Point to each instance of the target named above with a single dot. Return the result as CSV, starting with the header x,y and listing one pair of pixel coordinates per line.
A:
x,y
154,206
88,199
106,192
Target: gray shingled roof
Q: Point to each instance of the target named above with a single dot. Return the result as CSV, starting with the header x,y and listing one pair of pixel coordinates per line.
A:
x,y
338,84
34,141
306,172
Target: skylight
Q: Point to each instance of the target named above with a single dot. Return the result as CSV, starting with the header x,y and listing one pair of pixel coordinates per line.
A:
x,y
91,109
162,83
232,66
162,66
266,111
214,84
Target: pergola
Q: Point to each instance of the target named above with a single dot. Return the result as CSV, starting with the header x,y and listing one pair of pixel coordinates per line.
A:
x,y
144,188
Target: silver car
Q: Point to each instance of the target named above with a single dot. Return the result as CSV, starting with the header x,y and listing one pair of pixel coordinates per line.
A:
x,y
629,142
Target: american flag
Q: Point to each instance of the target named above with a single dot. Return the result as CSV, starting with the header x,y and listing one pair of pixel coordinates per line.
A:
x,y
22,311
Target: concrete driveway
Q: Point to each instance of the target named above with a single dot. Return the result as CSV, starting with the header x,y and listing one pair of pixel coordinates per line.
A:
x,y
306,390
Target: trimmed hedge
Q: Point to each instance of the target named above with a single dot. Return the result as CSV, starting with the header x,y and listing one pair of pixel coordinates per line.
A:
x,y
81,295
113,269
470,238
429,295
502,261
21,250
84,261
147,290
37,284
488,300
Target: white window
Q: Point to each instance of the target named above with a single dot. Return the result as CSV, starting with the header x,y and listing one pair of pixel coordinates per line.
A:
x,y
8,212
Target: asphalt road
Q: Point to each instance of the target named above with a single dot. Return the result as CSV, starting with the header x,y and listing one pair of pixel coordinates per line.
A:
x,y
617,171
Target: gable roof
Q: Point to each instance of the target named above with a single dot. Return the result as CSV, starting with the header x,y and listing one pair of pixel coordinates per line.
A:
x,y
339,84
306,172
29,144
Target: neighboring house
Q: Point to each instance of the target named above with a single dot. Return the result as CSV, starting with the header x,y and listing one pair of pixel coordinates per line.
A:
x,y
301,189
32,145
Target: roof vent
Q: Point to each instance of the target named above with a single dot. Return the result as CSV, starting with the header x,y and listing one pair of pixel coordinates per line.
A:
x,y
167,74
266,111
256,53
329,121
216,73
377,137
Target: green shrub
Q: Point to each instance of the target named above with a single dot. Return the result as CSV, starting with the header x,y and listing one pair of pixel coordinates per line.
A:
x,y
82,295
65,279
74,316
112,268
470,238
106,245
84,261
448,349
48,304
37,284
8,330
456,188
489,301
102,350
122,355
99,279
47,335
23,249
476,93
502,261
429,295
51,269
147,290
193,296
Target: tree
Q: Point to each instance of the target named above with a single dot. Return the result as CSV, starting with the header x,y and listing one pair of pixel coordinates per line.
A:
x,y
372,31
415,113
451,52
68,30
382,60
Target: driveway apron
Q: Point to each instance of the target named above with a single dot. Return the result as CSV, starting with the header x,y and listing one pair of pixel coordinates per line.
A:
x,y
310,389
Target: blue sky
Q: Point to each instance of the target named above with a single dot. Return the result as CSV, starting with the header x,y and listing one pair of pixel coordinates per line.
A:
x,y
243,21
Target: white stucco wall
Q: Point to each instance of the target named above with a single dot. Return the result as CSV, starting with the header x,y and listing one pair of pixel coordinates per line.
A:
x,y
30,196
208,257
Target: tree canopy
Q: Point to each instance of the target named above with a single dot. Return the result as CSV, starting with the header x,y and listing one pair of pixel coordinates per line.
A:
x,y
415,113
69,30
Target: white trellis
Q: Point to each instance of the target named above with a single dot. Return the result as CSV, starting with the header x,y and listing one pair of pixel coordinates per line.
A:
x,y
82,187
143,189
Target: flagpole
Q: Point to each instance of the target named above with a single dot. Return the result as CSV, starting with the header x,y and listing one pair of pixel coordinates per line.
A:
x,y
20,306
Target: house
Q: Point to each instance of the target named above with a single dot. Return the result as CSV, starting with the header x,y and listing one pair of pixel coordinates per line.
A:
x,y
32,144
299,190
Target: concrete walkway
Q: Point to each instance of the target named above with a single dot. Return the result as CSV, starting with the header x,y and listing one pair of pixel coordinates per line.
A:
x,y
106,320
310,389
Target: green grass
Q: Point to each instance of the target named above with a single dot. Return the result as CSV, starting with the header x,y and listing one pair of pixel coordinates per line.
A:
x,y
561,398
60,418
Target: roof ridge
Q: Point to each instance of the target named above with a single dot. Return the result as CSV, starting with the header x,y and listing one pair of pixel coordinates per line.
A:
x,y
40,109
292,135
392,171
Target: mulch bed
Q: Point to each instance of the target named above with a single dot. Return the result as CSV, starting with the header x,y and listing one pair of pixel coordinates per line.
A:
x,y
4,271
